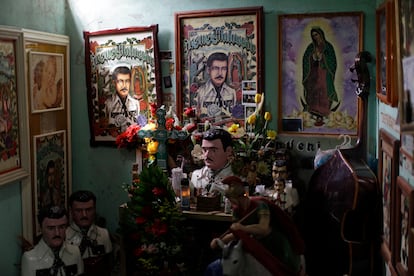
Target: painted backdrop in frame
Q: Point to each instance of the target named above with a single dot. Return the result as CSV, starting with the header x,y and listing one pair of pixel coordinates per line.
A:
x,y
217,50
123,79
50,170
46,81
9,110
388,149
315,54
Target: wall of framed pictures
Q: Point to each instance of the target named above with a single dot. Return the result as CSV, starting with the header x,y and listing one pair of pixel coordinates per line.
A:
x,y
35,92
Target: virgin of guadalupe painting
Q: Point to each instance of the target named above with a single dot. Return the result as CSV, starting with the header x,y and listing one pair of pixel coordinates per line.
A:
x,y
316,84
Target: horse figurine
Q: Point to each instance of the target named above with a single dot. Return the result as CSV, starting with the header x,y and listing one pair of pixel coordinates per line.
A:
x,y
236,262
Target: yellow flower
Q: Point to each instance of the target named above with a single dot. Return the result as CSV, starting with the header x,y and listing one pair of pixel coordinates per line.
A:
x,y
233,128
236,131
251,119
267,116
271,134
257,98
152,147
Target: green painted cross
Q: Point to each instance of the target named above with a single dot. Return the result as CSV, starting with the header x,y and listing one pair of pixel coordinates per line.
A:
x,y
161,134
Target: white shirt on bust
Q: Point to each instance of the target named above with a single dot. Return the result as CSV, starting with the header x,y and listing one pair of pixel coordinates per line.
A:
x,y
99,234
201,178
41,257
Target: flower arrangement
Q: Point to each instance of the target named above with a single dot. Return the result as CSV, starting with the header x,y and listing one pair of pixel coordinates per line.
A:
x,y
254,146
151,224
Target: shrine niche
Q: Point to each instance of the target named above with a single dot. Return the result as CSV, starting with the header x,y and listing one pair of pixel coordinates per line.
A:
x,y
108,55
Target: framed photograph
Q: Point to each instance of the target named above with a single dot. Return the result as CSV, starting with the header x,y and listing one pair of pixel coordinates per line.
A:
x,y
404,18
123,79
14,141
386,91
217,52
388,149
47,81
50,170
404,222
316,53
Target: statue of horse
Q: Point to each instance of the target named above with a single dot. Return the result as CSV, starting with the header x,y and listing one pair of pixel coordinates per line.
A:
x,y
237,262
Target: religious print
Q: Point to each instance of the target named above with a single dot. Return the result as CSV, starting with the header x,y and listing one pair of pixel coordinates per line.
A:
x,y
9,114
123,79
46,81
316,84
50,169
217,51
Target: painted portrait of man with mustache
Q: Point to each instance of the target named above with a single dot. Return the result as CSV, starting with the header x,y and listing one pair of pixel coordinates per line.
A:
x,y
121,109
216,98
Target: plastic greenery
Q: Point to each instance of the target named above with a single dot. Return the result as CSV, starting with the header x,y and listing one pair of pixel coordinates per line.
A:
x,y
151,224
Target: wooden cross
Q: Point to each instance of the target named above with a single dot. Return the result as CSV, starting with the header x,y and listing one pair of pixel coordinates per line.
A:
x,y
161,134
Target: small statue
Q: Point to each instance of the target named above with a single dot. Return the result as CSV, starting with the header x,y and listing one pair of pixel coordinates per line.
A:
x,y
285,195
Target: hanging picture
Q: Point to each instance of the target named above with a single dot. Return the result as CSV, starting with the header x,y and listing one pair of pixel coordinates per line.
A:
x,y
218,56
14,160
385,36
316,52
387,176
404,222
46,81
123,79
404,13
50,171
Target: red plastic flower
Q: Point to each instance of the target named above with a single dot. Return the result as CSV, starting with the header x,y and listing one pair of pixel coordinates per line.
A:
x,y
138,251
189,112
159,228
140,220
153,108
158,191
169,124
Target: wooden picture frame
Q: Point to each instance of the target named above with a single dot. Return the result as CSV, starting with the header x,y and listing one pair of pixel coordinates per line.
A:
x,y
385,40
135,48
404,222
47,81
330,113
388,149
404,16
232,35
14,136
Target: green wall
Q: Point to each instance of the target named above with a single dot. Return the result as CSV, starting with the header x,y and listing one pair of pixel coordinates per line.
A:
x,y
104,170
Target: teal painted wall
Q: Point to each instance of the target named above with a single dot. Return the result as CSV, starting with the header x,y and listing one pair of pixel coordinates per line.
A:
x,y
103,170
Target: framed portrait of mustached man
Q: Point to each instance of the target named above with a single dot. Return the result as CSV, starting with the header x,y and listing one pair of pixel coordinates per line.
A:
x,y
123,79
216,52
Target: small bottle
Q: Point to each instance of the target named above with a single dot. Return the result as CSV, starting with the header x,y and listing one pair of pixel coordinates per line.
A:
x,y
185,194
227,206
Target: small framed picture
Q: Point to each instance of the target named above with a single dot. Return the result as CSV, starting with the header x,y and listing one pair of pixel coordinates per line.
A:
x,y
404,222
47,81
50,171
388,149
